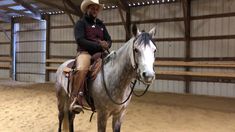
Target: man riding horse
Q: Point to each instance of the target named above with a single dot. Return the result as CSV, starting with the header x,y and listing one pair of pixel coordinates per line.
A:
x,y
91,37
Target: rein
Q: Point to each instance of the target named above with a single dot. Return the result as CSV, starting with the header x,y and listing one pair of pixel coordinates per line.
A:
x,y
135,66
142,94
106,89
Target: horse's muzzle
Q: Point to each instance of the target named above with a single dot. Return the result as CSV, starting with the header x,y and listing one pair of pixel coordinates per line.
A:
x,y
148,77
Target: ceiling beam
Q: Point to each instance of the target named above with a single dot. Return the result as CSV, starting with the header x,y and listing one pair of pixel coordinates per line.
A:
x,y
74,7
26,14
4,17
21,12
123,4
8,5
56,6
35,13
14,4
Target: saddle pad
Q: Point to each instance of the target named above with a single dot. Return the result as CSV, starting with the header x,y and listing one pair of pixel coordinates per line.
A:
x,y
71,64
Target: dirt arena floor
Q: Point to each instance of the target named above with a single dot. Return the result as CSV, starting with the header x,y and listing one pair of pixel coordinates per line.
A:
x,y
26,107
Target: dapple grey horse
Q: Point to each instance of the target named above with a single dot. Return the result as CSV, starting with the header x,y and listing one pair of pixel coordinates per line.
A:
x,y
134,58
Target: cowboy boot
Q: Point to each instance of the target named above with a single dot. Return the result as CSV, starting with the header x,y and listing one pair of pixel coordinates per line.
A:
x,y
79,79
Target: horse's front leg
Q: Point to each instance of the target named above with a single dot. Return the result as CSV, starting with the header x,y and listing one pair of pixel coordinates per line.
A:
x,y
71,120
61,117
102,118
117,121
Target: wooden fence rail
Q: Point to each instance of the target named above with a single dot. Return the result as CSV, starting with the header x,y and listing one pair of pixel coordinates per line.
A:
x,y
5,62
214,64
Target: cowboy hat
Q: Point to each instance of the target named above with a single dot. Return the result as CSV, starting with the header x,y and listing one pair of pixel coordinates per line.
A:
x,y
86,3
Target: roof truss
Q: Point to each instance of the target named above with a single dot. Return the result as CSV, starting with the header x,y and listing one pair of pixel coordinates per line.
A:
x,y
35,13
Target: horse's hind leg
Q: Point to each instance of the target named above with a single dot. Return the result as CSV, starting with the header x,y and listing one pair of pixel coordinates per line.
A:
x,y
117,121
102,118
61,104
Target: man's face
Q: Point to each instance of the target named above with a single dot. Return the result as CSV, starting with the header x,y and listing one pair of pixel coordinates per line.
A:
x,y
93,10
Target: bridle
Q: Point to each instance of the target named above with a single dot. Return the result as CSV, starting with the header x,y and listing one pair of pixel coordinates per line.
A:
x,y
137,78
136,66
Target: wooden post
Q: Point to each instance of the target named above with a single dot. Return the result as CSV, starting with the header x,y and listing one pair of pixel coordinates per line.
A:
x,y
128,24
48,30
122,4
187,11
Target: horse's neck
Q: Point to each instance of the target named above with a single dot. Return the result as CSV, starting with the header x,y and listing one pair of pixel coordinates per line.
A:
x,y
122,72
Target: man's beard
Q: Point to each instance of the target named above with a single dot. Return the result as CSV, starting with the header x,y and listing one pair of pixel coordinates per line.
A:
x,y
91,16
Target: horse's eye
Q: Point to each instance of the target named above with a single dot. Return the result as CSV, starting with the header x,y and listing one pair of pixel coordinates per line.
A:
x,y
155,51
136,50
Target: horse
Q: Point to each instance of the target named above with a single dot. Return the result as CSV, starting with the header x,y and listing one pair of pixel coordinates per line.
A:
x,y
134,59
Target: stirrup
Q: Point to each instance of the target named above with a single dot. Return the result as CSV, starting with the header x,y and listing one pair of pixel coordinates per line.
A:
x,y
76,108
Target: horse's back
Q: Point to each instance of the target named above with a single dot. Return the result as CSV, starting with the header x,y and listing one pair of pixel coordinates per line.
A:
x,y
61,80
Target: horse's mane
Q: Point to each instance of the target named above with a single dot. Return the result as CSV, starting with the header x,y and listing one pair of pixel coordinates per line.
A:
x,y
141,39
112,54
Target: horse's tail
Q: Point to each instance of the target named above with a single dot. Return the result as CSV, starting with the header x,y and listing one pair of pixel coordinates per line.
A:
x,y
62,97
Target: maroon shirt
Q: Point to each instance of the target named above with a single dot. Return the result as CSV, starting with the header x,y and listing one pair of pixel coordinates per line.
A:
x,y
87,33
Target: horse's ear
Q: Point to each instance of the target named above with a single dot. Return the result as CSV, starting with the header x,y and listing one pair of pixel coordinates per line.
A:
x,y
135,30
152,32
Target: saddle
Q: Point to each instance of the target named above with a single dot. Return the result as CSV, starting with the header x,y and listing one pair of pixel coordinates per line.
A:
x,y
96,63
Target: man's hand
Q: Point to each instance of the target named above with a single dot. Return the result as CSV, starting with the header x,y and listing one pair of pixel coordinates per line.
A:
x,y
104,44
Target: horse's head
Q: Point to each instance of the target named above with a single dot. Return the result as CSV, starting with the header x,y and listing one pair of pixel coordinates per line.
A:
x,y
143,54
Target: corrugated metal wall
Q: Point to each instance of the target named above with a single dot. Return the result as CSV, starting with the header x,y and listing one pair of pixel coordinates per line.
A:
x,y
5,48
62,37
213,48
31,52
166,49
62,43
